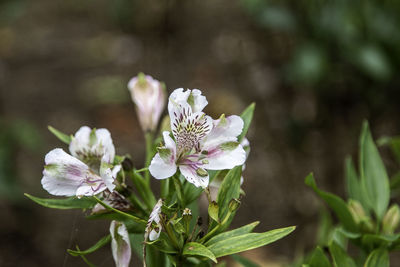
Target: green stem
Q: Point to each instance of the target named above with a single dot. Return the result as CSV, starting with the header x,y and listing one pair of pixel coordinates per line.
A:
x,y
149,154
133,218
171,236
179,189
142,170
143,189
215,229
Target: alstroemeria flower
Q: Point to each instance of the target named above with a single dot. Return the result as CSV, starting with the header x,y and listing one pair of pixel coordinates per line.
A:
x,y
149,96
120,244
64,175
200,143
92,146
152,233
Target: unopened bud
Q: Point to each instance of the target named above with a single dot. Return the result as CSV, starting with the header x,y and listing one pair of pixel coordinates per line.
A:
x,y
391,219
359,215
233,204
149,96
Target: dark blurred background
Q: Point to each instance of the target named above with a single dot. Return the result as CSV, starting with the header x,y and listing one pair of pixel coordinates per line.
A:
x,y
314,68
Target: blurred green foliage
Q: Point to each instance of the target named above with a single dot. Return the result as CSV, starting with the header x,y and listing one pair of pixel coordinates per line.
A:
x,y
15,135
344,50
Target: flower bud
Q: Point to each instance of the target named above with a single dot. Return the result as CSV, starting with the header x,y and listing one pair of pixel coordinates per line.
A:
x,y
359,216
233,204
391,219
149,96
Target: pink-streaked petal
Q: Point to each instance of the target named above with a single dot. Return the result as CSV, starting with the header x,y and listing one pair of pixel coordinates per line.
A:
x,y
120,244
221,159
63,174
160,169
224,130
109,175
190,174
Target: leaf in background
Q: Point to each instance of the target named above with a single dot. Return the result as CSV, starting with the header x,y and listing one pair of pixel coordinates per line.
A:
x,y
61,136
378,258
247,117
335,203
230,188
319,259
354,189
340,257
93,248
197,249
236,232
393,142
379,240
244,261
373,174
64,203
249,241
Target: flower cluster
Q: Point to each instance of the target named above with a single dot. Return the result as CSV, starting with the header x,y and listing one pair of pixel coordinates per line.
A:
x,y
93,178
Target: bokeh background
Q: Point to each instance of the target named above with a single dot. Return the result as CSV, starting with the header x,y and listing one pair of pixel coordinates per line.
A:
x,y
314,68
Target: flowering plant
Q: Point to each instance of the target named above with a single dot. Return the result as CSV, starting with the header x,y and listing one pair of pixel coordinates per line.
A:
x,y
196,152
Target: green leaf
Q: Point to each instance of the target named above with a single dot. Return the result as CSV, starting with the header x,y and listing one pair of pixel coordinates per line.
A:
x,y
378,258
248,241
244,261
354,189
379,240
230,188
340,257
335,203
64,203
163,246
373,174
236,232
319,259
247,116
93,248
197,249
61,136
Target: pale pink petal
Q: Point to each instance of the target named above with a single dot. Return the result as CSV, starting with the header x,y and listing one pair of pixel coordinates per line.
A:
x,y
220,159
63,174
191,175
160,169
120,244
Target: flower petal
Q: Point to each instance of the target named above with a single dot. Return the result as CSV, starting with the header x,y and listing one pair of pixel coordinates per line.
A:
x,y
221,159
224,130
160,169
109,175
91,146
191,175
199,101
120,244
63,174
154,234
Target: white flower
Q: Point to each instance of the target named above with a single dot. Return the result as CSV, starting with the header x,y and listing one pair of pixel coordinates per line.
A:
x,y
92,146
153,233
64,175
149,96
120,244
200,143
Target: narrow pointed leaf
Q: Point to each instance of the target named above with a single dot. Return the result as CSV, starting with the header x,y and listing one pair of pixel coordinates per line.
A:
x,y
64,203
105,240
239,231
248,241
230,188
378,258
340,257
197,249
354,189
335,203
61,136
247,117
373,174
